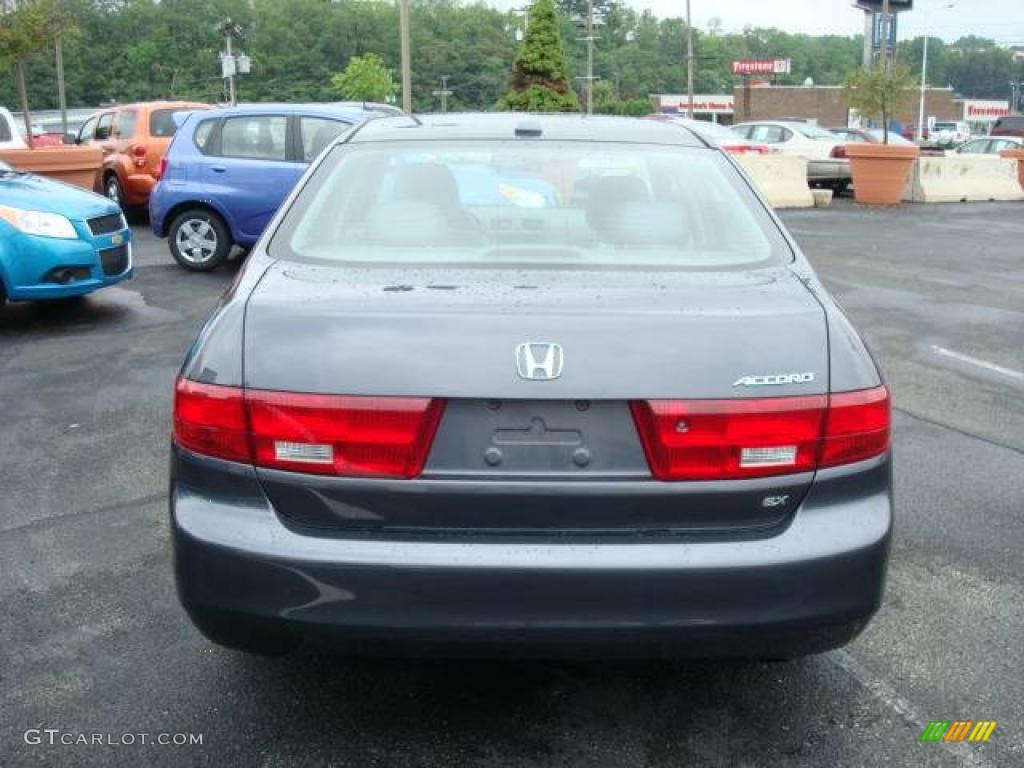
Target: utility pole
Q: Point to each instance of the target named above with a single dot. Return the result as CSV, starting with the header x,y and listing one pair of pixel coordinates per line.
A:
x,y
403,25
62,100
689,61
887,24
590,57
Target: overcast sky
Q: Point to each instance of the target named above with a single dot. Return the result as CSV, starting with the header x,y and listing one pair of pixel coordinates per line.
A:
x,y
1002,20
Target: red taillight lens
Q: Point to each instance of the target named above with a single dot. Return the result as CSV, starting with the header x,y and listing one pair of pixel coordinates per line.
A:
x,y
319,434
210,419
342,435
160,169
857,427
726,439
732,439
839,151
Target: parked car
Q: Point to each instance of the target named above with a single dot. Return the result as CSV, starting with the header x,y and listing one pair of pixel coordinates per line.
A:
x,y
869,136
134,138
639,426
875,136
950,133
990,145
1008,125
227,171
827,165
720,135
58,241
10,138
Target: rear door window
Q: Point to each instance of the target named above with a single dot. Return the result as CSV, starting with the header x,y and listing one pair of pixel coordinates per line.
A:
x,y
259,137
203,135
125,127
104,126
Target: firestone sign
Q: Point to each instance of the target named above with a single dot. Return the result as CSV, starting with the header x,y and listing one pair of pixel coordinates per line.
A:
x,y
984,110
762,67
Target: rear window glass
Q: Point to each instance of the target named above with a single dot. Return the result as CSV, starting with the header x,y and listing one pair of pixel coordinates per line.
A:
x,y
536,203
161,123
126,124
5,130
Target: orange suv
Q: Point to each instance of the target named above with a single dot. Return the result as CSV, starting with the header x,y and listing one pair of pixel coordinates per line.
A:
x,y
134,138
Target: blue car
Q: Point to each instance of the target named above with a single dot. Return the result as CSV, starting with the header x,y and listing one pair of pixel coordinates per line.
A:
x,y
228,170
58,241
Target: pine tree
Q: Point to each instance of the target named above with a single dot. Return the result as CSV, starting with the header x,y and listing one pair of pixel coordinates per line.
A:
x,y
540,81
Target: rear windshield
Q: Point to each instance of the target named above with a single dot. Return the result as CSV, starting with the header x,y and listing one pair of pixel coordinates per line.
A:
x,y
535,203
161,123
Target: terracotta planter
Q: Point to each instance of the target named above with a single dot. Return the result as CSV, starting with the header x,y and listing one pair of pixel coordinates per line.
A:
x,y
880,171
1018,155
70,164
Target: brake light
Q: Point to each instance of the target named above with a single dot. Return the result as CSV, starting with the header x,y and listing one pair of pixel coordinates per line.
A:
x,y
162,168
732,439
742,149
318,434
838,151
210,419
857,427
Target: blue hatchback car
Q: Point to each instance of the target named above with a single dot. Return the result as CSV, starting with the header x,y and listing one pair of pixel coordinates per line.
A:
x,y
228,170
58,241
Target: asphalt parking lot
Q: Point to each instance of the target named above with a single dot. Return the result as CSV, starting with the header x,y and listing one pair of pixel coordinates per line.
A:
x,y
93,640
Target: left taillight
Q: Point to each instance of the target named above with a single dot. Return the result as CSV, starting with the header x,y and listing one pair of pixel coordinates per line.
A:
x,y
318,434
210,419
838,152
733,439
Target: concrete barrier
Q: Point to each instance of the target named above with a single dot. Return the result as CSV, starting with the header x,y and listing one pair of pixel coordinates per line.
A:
x,y
962,178
782,179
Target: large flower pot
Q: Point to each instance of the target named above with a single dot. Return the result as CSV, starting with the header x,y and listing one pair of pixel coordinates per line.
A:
x,y
1018,155
880,171
70,164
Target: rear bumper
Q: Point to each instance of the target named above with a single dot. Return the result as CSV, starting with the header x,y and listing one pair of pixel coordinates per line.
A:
x,y
828,170
810,588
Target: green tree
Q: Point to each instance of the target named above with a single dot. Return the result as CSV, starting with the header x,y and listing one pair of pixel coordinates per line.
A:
x,y
24,32
879,93
365,78
540,80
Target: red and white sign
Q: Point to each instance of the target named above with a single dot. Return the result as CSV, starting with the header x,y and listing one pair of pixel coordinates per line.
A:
x,y
703,104
762,67
984,110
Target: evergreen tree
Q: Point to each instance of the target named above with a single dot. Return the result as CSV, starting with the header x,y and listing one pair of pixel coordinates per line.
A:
x,y
540,80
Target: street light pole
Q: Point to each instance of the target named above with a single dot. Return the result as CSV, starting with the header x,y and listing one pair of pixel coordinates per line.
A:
x,y
689,61
924,76
403,23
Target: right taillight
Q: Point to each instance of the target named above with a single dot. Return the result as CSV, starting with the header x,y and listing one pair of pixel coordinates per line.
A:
x,y
762,437
838,151
319,434
161,169
857,427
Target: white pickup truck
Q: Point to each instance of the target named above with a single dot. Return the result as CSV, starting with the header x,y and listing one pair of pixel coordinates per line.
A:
x,y
10,138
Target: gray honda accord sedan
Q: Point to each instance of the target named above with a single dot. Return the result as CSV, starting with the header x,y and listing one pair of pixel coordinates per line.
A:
x,y
533,384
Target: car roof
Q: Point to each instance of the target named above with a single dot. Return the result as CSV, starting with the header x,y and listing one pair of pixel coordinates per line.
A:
x,y
312,108
507,125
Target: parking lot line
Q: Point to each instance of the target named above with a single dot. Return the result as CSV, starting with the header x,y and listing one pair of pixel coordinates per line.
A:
x,y
1002,371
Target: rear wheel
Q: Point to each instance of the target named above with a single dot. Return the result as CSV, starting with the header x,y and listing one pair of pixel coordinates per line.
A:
x,y
199,240
113,190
